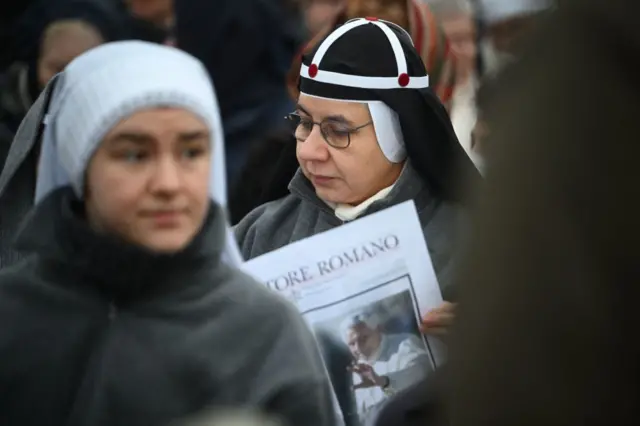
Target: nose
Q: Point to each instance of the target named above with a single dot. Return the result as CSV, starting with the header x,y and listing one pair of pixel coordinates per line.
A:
x,y
314,148
166,177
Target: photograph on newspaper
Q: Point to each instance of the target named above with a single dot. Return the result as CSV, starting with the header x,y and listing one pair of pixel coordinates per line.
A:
x,y
362,288
379,329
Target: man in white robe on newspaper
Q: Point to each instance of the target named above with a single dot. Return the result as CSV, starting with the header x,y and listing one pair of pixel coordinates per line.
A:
x,y
383,363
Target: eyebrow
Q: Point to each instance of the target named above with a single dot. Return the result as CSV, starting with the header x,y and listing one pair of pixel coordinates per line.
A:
x,y
302,109
131,137
137,138
334,117
193,136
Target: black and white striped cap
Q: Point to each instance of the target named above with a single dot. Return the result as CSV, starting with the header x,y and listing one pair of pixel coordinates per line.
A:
x,y
363,54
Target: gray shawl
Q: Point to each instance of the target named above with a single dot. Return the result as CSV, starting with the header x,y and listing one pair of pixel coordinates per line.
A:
x,y
18,178
302,214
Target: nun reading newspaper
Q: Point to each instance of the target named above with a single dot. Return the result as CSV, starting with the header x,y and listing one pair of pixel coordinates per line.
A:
x,y
370,137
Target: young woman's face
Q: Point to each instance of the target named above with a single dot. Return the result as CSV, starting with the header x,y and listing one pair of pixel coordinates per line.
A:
x,y
148,182
349,175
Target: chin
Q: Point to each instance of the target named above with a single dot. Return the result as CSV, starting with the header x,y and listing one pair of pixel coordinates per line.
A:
x,y
334,197
328,195
167,244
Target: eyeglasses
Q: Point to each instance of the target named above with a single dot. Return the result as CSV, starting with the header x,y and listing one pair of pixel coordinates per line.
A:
x,y
336,134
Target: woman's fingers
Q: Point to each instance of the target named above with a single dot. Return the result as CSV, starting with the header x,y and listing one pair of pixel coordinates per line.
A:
x,y
438,320
436,331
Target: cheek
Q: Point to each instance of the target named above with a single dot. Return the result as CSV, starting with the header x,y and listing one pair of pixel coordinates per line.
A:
x,y
115,194
197,185
365,160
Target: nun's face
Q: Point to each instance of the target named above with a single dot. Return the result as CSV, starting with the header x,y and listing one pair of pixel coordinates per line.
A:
x,y
343,175
148,182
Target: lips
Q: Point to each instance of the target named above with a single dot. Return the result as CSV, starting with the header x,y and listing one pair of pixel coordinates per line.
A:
x,y
321,180
165,218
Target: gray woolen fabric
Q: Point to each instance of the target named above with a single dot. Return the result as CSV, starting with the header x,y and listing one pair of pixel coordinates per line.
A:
x,y
99,337
18,179
302,214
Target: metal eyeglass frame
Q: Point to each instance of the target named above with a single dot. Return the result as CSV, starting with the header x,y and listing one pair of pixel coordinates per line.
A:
x,y
324,136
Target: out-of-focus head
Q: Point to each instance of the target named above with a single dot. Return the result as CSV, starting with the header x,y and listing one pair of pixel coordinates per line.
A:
x,y
65,29
457,19
326,14
396,11
507,21
322,14
143,149
361,332
158,12
62,42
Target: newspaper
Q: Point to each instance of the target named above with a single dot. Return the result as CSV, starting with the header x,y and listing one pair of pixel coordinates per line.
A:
x,y
363,288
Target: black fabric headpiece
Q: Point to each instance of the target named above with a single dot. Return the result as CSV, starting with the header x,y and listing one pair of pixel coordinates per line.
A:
x,y
367,59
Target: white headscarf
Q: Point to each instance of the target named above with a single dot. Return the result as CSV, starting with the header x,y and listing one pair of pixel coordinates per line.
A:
x,y
109,83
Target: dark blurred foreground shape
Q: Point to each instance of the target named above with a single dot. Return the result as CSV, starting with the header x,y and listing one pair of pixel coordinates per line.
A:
x,y
548,323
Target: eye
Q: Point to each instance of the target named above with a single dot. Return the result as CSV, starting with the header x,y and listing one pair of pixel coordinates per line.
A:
x,y
337,130
193,152
134,156
306,123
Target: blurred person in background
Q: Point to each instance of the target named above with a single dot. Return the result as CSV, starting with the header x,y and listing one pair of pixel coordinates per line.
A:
x,y
506,21
151,20
57,33
272,161
130,309
547,326
457,18
248,47
52,34
159,12
320,15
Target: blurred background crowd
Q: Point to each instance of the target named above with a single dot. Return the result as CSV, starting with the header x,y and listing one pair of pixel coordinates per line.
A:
x,y
558,226
252,51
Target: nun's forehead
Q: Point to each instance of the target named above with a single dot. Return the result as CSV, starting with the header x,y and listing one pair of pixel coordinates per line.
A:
x,y
331,107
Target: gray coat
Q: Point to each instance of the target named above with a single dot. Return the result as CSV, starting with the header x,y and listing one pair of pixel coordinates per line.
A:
x,y
302,214
105,333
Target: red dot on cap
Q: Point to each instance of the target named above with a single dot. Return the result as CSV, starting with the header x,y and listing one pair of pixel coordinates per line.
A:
x,y
403,79
313,70
371,18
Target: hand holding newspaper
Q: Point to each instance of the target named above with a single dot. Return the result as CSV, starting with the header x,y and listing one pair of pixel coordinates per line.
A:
x,y
366,284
